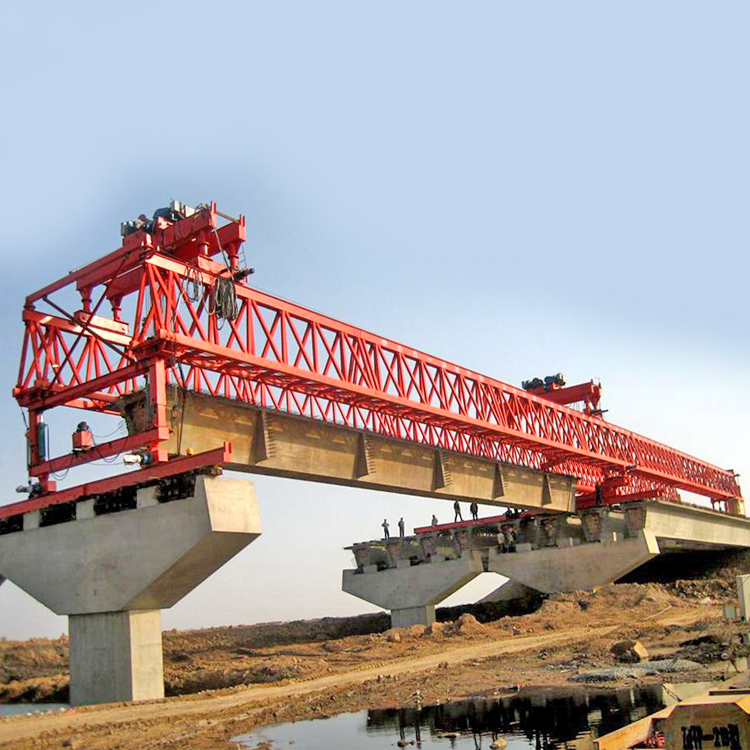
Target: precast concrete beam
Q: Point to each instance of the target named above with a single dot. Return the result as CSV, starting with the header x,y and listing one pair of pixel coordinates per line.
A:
x,y
279,444
113,572
688,524
411,592
579,568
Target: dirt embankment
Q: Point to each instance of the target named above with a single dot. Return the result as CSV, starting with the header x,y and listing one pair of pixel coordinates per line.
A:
x,y
36,671
306,674
218,658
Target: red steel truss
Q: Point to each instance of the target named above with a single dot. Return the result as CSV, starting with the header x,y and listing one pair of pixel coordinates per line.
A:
x,y
151,313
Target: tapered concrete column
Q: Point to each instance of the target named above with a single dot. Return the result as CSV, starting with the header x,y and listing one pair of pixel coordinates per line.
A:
x,y
116,656
112,570
404,618
412,591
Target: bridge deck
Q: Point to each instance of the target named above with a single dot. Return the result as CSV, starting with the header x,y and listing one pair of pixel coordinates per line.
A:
x,y
674,526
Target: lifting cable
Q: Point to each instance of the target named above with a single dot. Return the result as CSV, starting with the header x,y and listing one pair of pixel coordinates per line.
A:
x,y
224,299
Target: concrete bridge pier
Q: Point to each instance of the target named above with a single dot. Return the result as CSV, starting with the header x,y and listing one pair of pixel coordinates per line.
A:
x,y
116,656
575,567
113,563
411,592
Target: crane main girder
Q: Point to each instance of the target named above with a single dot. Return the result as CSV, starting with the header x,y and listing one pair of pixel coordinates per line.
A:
x,y
166,327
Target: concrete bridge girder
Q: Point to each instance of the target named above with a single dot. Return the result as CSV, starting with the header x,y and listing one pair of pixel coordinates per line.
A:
x,y
280,444
412,591
688,524
113,573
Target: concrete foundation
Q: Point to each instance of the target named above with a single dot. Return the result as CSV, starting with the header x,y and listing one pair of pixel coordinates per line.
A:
x,y
411,593
116,656
113,569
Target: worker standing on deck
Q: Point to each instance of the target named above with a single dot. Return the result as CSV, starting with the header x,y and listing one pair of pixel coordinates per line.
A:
x,y
386,533
457,510
401,527
434,520
474,508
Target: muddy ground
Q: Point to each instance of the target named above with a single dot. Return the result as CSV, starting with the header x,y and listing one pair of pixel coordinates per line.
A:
x,y
234,679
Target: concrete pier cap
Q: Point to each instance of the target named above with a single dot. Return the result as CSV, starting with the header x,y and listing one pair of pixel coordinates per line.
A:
x,y
411,593
580,568
112,573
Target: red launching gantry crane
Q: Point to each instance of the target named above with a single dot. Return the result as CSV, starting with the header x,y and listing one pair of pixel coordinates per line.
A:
x,y
172,306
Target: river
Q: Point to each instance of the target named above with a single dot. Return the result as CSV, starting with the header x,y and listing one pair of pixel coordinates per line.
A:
x,y
539,720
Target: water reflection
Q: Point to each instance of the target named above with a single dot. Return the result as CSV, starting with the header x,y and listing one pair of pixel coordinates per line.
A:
x,y
11,709
533,720
547,719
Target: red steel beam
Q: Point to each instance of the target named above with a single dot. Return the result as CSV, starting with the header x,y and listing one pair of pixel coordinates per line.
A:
x,y
216,457
589,393
103,450
347,376
468,524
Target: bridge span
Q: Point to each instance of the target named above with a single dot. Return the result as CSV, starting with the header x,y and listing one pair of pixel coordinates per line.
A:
x,y
210,372
111,556
540,551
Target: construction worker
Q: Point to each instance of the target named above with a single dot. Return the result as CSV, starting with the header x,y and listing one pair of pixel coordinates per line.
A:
x,y
457,511
401,527
386,533
434,520
509,538
505,537
474,508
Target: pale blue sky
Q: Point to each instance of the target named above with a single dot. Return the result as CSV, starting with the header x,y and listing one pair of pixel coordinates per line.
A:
x,y
522,188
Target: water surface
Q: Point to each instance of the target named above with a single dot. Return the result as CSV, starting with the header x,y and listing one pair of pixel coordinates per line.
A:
x,y
11,709
539,720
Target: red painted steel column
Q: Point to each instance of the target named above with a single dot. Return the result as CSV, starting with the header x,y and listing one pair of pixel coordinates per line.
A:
x,y
157,392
